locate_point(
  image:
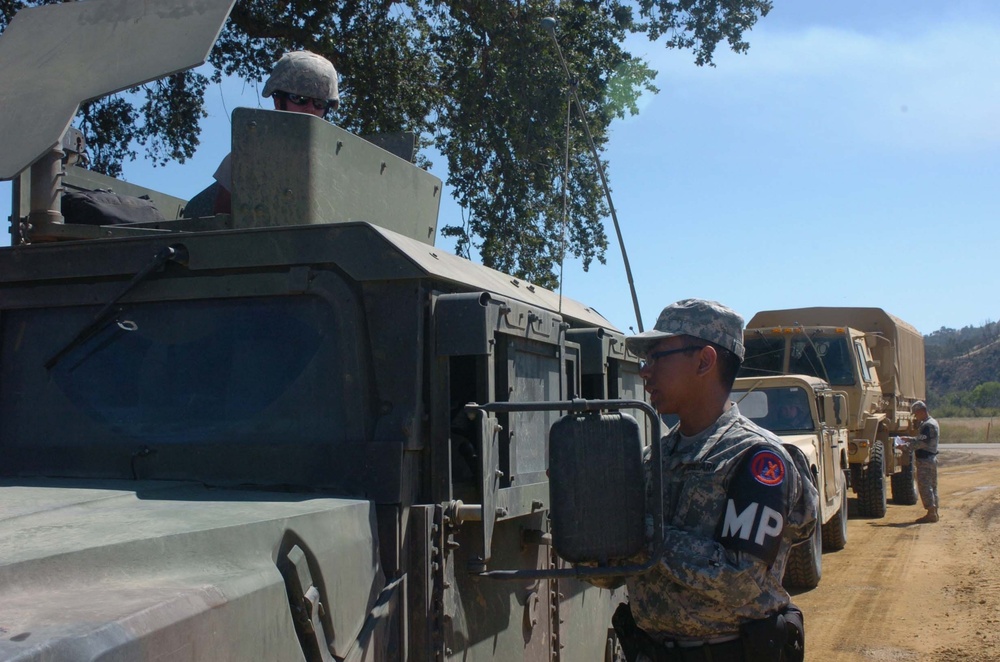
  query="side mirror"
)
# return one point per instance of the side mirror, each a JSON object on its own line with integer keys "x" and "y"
{"x": 836, "y": 408}
{"x": 597, "y": 487}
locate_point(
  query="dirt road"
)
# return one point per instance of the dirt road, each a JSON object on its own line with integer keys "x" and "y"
{"x": 906, "y": 591}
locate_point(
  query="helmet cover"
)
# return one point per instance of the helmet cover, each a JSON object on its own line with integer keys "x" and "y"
{"x": 305, "y": 74}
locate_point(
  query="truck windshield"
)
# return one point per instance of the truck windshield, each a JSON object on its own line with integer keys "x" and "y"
{"x": 187, "y": 375}
{"x": 779, "y": 409}
{"x": 824, "y": 357}
{"x": 764, "y": 356}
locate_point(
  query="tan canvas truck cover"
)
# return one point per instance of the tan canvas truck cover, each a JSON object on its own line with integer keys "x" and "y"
{"x": 901, "y": 360}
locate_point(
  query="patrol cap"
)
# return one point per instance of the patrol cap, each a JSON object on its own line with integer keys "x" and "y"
{"x": 305, "y": 74}
{"x": 919, "y": 404}
{"x": 707, "y": 320}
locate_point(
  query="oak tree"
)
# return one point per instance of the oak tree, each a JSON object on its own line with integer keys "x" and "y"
{"x": 478, "y": 79}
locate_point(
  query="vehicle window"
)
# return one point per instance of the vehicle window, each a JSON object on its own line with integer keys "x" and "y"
{"x": 866, "y": 373}
{"x": 255, "y": 370}
{"x": 781, "y": 410}
{"x": 826, "y": 358}
{"x": 764, "y": 356}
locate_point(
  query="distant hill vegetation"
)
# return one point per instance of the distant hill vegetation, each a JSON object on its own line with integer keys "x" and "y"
{"x": 963, "y": 370}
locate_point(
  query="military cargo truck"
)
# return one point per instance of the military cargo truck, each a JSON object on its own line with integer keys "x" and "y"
{"x": 805, "y": 412}
{"x": 244, "y": 437}
{"x": 877, "y": 359}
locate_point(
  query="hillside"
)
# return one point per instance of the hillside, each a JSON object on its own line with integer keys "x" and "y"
{"x": 959, "y": 360}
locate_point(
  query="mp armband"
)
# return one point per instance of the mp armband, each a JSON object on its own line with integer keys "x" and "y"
{"x": 755, "y": 505}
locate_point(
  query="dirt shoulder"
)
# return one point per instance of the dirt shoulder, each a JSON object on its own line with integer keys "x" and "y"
{"x": 906, "y": 591}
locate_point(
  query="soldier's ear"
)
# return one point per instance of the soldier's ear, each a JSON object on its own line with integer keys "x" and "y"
{"x": 707, "y": 359}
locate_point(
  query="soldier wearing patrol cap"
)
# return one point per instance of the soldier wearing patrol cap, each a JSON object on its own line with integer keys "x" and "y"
{"x": 925, "y": 446}
{"x": 301, "y": 82}
{"x": 734, "y": 503}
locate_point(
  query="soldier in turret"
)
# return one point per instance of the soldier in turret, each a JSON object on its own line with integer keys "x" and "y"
{"x": 301, "y": 82}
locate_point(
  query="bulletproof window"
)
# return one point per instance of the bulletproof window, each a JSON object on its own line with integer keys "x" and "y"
{"x": 195, "y": 382}
{"x": 866, "y": 373}
{"x": 764, "y": 356}
{"x": 825, "y": 357}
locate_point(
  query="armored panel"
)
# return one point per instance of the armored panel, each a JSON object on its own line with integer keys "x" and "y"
{"x": 54, "y": 57}
{"x": 465, "y": 323}
{"x": 296, "y": 169}
{"x": 590, "y": 460}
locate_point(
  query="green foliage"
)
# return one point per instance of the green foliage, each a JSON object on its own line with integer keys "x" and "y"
{"x": 963, "y": 371}
{"x": 982, "y": 400}
{"x": 477, "y": 78}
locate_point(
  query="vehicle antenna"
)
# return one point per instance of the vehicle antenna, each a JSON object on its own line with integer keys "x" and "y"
{"x": 549, "y": 25}
{"x": 565, "y": 198}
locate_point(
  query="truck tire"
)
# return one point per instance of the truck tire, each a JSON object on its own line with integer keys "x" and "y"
{"x": 904, "y": 485}
{"x": 871, "y": 487}
{"x": 805, "y": 563}
{"x": 835, "y": 531}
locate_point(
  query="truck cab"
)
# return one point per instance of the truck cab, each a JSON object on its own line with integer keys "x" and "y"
{"x": 876, "y": 359}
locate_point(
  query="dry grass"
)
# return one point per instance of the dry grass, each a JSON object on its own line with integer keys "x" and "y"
{"x": 969, "y": 430}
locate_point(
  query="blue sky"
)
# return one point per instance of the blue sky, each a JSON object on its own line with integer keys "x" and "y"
{"x": 851, "y": 158}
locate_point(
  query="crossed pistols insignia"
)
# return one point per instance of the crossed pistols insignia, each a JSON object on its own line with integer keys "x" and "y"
{"x": 768, "y": 468}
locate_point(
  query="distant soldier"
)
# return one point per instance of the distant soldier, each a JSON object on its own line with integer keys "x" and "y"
{"x": 734, "y": 503}
{"x": 925, "y": 447}
{"x": 792, "y": 416}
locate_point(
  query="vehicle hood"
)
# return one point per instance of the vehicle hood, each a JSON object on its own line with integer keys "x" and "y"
{"x": 142, "y": 569}
{"x": 807, "y": 442}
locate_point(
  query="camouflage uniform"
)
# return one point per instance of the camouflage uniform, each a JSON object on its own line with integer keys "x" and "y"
{"x": 701, "y": 588}
{"x": 925, "y": 444}
{"x": 734, "y": 502}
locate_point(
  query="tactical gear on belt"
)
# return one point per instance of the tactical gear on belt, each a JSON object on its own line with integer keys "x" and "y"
{"x": 777, "y": 638}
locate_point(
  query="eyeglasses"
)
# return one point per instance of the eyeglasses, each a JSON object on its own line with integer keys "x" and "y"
{"x": 651, "y": 358}
{"x": 318, "y": 104}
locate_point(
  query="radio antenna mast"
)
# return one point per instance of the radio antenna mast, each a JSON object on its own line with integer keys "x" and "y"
{"x": 549, "y": 25}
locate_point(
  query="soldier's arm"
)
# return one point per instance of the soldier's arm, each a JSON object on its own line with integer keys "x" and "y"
{"x": 765, "y": 497}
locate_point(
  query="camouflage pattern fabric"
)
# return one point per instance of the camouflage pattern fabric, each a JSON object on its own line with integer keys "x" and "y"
{"x": 927, "y": 481}
{"x": 927, "y": 440}
{"x": 699, "y": 318}
{"x": 700, "y": 588}
{"x": 305, "y": 74}
{"x": 927, "y": 436}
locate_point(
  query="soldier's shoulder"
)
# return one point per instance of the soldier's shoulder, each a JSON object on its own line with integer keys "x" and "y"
{"x": 752, "y": 434}
{"x": 744, "y": 436}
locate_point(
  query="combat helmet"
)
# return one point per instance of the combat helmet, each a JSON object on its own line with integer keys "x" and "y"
{"x": 305, "y": 74}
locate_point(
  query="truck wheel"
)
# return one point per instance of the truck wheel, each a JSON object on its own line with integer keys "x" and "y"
{"x": 904, "y": 485}
{"x": 805, "y": 563}
{"x": 835, "y": 531}
{"x": 871, "y": 487}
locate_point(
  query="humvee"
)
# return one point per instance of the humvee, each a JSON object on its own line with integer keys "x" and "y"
{"x": 249, "y": 436}
{"x": 819, "y": 431}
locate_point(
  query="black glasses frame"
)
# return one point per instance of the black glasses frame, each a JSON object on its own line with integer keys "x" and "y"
{"x": 651, "y": 358}
{"x": 299, "y": 100}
